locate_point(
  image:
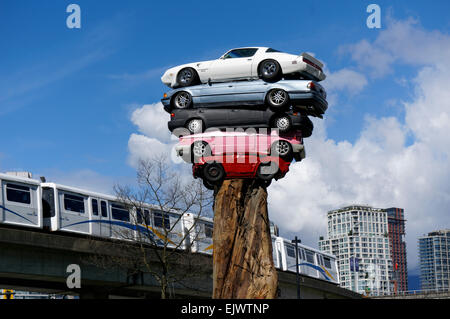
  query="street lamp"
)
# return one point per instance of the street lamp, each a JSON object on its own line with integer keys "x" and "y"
{"x": 297, "y": 241}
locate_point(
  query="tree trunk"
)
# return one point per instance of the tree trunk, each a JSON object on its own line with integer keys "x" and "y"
{"x": 242, "y": 260}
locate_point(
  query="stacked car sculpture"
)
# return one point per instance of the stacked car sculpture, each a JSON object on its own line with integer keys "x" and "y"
{"x": 245, "y": 114}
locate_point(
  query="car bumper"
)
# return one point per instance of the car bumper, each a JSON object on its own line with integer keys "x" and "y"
{"x": 184, "y": 151}
{"x": 173, "y": 124}
{"x": 312, "y": 103}
{"x": 166, "y": 103}
{"x": 298, "y": 156}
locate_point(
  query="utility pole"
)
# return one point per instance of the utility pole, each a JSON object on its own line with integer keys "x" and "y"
{"x": 296, "y": 241}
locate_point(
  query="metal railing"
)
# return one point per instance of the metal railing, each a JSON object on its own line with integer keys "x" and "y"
{"x": 412, "y": 292}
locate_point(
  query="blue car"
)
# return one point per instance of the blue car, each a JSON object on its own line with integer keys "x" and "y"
{"x": 306, "y": 96}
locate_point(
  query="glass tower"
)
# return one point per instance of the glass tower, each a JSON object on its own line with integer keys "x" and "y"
{"x": 434, "y": 257}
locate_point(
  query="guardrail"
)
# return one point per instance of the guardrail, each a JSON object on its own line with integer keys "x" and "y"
{"x": 413, "y": 292}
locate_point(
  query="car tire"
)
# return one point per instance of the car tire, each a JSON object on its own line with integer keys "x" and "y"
{"x": 282, "y": 123}
{"x": 195, "y": 126}
{"x": 182, "y": 100}
{"x": 270, "y": 70}
{"x": 306, "y": 126}
{"x": 213, "y": 173}
{"x": 187, "y": 77}
{"x": 283, "y": 149}
{"x": 277, "y": 99}
{"x": 200, "y": 149}
{"x": 208, "y": 184}
{"x": 265, "y": 176}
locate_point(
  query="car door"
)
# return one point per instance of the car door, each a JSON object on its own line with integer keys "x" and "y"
{"x": 215, "y": 117}
{"x": 217, "y": 95}
{"x": 250, "y": 93}
{"x": 243, "y": 117}
{"x": 234, "y": 64}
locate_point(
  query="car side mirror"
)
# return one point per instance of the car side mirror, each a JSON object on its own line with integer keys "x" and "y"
{"x": 209, "y": 81}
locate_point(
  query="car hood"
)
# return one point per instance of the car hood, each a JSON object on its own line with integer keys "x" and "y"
{"x": 195, "y": 65}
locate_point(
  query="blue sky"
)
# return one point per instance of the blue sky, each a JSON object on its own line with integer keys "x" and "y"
{"x": 67, "y": 96}
{"x": 72, "y": 90}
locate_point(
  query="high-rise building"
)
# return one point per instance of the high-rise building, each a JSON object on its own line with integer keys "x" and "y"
{"x": 359, "y": 238}
{"x": 396, "y": 225}
{"x": 434, "y": 258}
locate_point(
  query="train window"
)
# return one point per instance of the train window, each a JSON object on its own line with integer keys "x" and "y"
{"x": 119, "y": 212}
{"x": 94, "y": 207}
{"x": 327, "y": 262}
{"x": 290, "y": 251}
{"x": 209, "y": 230}
{"x": 303, "y": 254}
{"x": 310, "y": 256}
{"x": 74, "y": 203}
{"x": 143, "y": 218}
{"x": 160, "y": 218}
{"x": 104, "y": 209}
{"x": 319, "y": 260}
{"x": 18, "y": 194}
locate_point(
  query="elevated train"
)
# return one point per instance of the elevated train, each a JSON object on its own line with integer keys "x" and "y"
{"x": 27, "y": 202}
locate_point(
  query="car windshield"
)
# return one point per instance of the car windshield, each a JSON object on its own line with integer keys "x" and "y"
{"x": 240, "y": 53}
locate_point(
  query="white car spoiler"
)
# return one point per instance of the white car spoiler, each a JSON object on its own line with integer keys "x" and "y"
{"x": 312, "y": 59}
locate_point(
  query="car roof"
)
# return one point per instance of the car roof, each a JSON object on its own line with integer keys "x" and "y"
{"x": 248, "y": 48}
{"x": 219, "y": 133}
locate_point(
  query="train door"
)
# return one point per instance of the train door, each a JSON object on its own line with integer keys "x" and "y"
{"x": 290, "y": 257}
{"x": 95, "y": 217}
{"x": 320, "y": 274}
{"x": 302, "y": 261}
{"x": 20, "y": 205}
{"x": 48, "y": 207}
{"x": 275, "y": 253}
{"x": 105, "y": 222}
{"x": 204, "y": 240}
{"x": 121, "y": 227}
{"x": 330, "y": 265}
{"x": 310, "y": 264}
{"x": 74, "y": 215}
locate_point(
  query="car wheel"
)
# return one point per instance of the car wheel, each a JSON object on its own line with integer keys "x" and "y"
{"x": 277, "y": 98}
{"x": 265, "y": 172}
{"x": 201, "y": 149}
{"x": 270, "y": 70}
{"x": 306, "y": 126}
{"x": 182, "y": 100}
{"x": 213, "y": 172}
{"x": 187, "y": 77}
{"x": 282, "y": 123}
{"x": 195, "y": 126}
{"x": 282, "y": 149}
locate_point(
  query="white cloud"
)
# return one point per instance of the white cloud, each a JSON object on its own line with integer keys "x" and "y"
{"x": 151, "y": 120}
{"x": 144, "y": 147}
{"x": 381, "y": 169}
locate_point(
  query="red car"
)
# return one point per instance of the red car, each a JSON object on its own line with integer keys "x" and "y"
{"x": 287, "y": 146}
{"x": 214, "y": 169}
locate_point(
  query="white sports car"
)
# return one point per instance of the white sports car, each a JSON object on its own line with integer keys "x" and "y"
{"x": 246, "y": 63}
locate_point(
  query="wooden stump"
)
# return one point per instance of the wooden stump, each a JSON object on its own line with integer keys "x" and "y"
{"x": 242, "y": 260}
